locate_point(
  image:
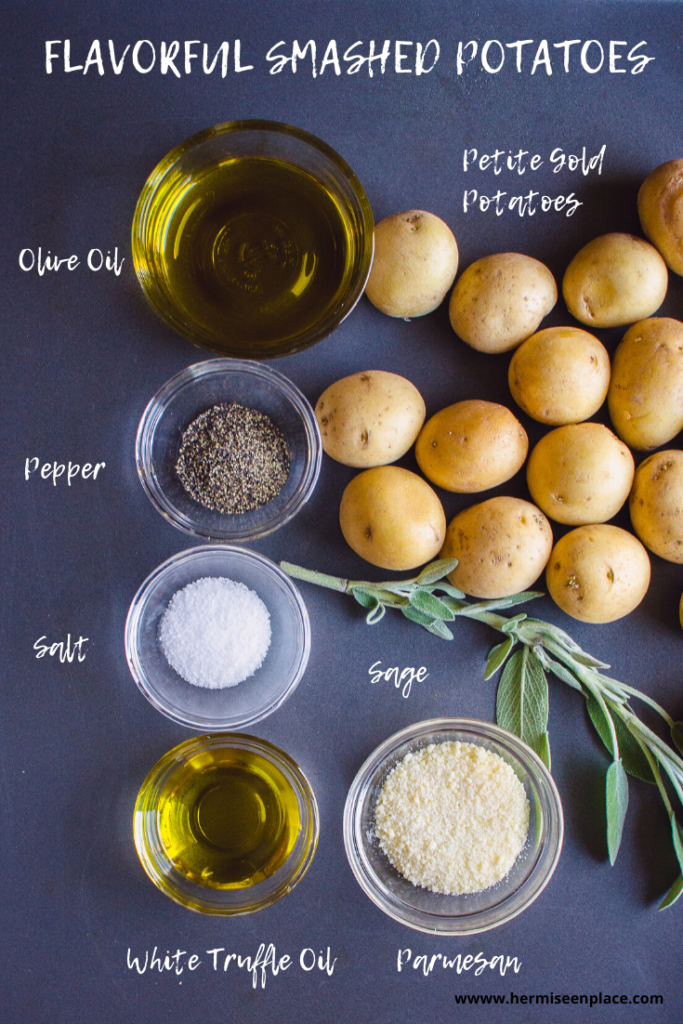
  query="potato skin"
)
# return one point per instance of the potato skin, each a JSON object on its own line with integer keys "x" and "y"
{"x": 392, "y": 518}
{"x": 415, "y": 263}
{"x": 656, "y": 504}
{"x": 370, "y": 418}
{"x": 615, "y": 280}
{"x": 471, "y": 446}
{"x": 645, "y": 396}
{"x": 598, "y": 573}
{"x": 500, "y": 300}
{"x": 660, "y": 208}
{"x": 560, "y": 375}
{"x": 580, "y": 474}
{"x": 502, "y": 546}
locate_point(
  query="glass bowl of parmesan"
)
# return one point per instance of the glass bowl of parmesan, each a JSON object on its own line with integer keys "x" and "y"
{"x": 217, "y": 637}
{"x": 228, "y": 450}
{"x": 453, "y": 826}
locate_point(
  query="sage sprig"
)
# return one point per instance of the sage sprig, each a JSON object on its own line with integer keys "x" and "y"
{"x": 530, "y": 649}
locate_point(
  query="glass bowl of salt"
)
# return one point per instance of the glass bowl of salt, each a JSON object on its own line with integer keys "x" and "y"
{"x": 217, "y": 637}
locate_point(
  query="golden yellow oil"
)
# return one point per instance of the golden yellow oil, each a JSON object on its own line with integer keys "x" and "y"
{"x": 254, "y": 252}
{"x": 228, "y": 818}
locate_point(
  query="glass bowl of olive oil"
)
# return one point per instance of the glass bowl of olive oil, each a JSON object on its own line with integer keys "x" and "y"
{"x": 226, "y": 824}
{"x": 253, "y": 239}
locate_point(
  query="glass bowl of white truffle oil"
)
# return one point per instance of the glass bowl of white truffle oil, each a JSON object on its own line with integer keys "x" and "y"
{"x": 453, "y": 826}
{"x": 226, "y": 824}
{"x": 253, "y": 239}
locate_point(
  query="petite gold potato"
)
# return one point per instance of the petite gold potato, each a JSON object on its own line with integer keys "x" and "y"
{"x": 560, "y": 375}
{"x": 598, "y": 573}
{"x": 415, "y": 263}
{"x": 392, "y": 518}
{"x": 502, "y": 546}
{"x": 580, "y": 473}
{"x": 370, "y": 418}
{"x": 471, "y": 446}
{"x": 615, "y": 280}
{"x": 660, "y": 207}
{"x": 656, "y": 504}
{"x": 646, "y": 391}
{"x": 500, "y": 300}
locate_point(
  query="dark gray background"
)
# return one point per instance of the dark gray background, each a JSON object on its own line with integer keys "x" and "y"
{"x": 82, "y": 356}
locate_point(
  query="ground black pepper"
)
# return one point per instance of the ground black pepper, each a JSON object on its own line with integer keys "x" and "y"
{"x": 233, "y": 459}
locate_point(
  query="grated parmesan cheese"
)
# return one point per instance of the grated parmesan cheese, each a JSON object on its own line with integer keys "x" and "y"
{"x": 452, "y": 817}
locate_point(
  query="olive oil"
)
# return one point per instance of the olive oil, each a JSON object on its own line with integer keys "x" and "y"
{"x": 227, "y": 818}
{"x": 253, "y": 253}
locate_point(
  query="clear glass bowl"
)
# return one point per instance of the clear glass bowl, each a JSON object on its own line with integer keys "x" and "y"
{"x": 173, "y": 766}
{"x": 251, "y": 284}
{"x": 192, "y": 392}
{"x": 433, "y": 912}
{"x": 234, "y": 707}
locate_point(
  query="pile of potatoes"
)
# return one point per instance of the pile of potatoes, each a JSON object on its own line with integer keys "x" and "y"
{"x": 580, "y": 473}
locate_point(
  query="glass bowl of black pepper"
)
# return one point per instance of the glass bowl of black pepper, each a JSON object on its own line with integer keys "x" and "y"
{"x": 228, "y": 450}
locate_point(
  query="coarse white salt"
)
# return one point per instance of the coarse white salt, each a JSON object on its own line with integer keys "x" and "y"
{"x": 215, "y": 632}
{"x": 452, "y": 817}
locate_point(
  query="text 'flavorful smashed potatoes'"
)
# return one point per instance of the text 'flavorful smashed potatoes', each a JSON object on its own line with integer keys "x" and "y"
{"x": 415, "y": 263}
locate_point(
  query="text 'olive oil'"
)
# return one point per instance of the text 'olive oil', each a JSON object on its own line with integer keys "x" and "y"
{"x": 254, "y": 252}
{"x": 228, "y": 819}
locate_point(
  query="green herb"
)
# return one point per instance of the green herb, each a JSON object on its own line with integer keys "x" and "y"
{"x": 522, "y": 702}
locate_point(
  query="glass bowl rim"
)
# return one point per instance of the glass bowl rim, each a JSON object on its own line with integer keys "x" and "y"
{"x": 137, "y": 605}
{"x": 551, "y": 848}
{"x": 139, "y": 228}
{"x": 306, "y": 797}
{"x": 158, "y": 405}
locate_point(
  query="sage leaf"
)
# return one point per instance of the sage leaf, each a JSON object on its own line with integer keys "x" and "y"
{"x": 511, "y": 624}
{"x": 437, "y": 570}
{"x": 430, "y": 605}
{"x": 390, "y": 597}
{"x": 542, "y": 748}
{"x": 617, "y": 802}
{"x": 677, "y": 735}
{"x": 498, "y": 656}
{"x": 673, "y": 893}
{"x": 365, "y": 597}
{"x": 375, "y": 614}
{"x": 633, "y": 759}
{"x": 439, "y": 628}
{"x": 677, "y": 836}
{"x": 560, "y": 671}
{"x": 564, "y": 639}
{"x": 416, "y": 616}
{"x": 522, "y": 700}
{"x": 511, "y": 601}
